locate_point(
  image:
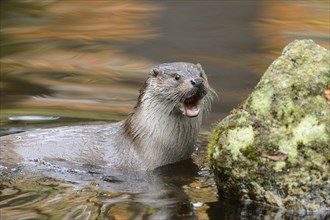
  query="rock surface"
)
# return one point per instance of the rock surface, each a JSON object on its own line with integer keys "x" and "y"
{"x": 275, "y": 148}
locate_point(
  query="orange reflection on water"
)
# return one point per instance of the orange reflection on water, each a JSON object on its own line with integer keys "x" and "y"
{"x": 86, "y": 20}
{"x": 281, "y": 23}
{"x": 68, "y": 50}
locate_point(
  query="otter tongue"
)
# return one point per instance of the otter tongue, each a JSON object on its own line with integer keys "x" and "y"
{"x": 191, "y": 110}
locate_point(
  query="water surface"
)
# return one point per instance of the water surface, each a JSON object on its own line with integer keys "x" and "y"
{"x": 83, "y": 62}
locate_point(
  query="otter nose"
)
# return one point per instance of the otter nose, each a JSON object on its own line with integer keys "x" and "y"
{"x": 197, "y": 82}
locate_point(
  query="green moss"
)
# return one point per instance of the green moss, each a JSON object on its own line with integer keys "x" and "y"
{"x": 250, "y": 152}
{"x": 262, "y": 100}
{"x": 239, "y": 138}
{"x": 321, "y": 102}
{"x": 289, "y": 147}
{"x": 213, "y": 151}
{"x": 243, "y": 119}
{"x": 285, "y": 109}
{"x": 316, "y": 160}
{"x": 273, "y": 199}
{"x": 309, "y": 130}
{"x": 279, "y": 165}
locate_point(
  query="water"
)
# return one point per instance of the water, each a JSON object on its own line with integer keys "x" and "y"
{"x": 70, "y": 62}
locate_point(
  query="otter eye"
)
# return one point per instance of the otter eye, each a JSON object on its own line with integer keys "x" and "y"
{"x": 177, "y": 77}
{"x": 201, "y": 74}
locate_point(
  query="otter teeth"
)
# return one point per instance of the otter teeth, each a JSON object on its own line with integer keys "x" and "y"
{"x": 191, "y": 107}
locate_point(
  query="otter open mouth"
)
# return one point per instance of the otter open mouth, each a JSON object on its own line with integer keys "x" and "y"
{"x": 191, "y": 106}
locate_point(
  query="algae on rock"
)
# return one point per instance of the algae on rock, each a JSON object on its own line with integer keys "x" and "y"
{"x": 275, "y": 148}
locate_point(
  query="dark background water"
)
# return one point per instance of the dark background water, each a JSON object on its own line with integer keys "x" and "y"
{"x": 78, "y": 62}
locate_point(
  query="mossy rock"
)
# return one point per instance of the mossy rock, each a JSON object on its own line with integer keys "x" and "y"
{"x": 275, "y": 148}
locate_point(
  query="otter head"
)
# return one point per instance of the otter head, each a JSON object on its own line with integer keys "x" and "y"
{"x": 182, "y": 86}
{"x": 168, "y": 112}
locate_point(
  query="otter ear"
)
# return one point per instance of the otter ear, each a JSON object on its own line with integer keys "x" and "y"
{"x": 199, "y": 66}
{"x": 154, "y": 72}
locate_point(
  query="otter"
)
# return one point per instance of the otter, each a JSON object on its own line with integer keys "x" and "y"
{"x": 161, "y": 129}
